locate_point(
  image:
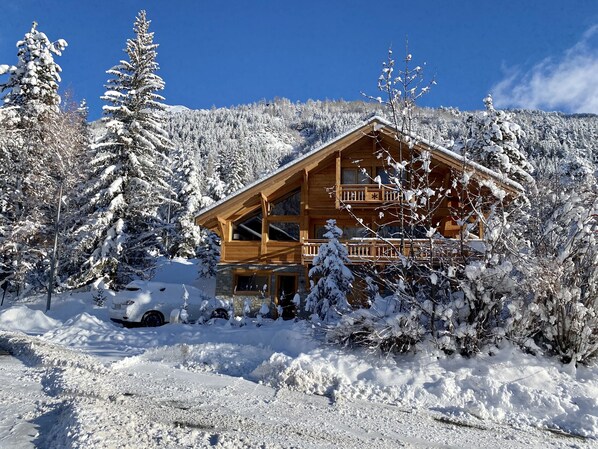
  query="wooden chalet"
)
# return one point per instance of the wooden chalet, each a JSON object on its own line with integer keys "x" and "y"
{"x": 272, "y": 229}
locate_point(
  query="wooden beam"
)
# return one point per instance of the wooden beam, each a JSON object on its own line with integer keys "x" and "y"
{"x": 222, "y": 228}
{"x": 304, "y": 223}
{"x": 265, "y": 218}
{"x": 337, "y": 188}
{"x": 374, "y": 160}
{"x": 284, "y": 218}
{"x": 224, "y": 237}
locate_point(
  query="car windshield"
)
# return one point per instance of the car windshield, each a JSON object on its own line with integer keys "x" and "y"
{"x": 132, "y": 289}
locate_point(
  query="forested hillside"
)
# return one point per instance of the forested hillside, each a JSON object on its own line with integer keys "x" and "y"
{"x": 233, "y": 146}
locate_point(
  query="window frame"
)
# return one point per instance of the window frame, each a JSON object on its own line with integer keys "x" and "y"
{"x": 244, "y": 273}
{"x": 360, "y": 177}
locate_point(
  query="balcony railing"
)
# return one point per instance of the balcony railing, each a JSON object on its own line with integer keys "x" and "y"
{"x": 388, "y": 251}
{"x": 367, "y": 194}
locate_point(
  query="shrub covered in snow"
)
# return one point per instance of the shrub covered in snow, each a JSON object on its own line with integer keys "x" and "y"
{"x": 561, "y": 272}
{"x": 389, "y": 325}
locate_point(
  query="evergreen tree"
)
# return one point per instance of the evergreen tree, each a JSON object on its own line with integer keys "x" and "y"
{"x": 237, "y": 168}
{"x": 33, "y": 159}
{"x": 494, "y": 141}
{"x": 130, "y": 168}
{"x": 32, "y": 86}
{"x": 185, "y": 235}
{"x": 209, "y": 253}
{"x": 328, "y": 296}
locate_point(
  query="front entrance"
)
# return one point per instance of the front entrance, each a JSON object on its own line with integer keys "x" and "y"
{"x": 286, "y": 287}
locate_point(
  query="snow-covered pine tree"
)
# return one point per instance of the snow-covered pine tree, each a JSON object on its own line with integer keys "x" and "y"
{"x": 494, "y": 141}
{"x": 131, "y": 168}
{"x": 327, "y": 298}
{"x": 33, "y": 158}
{"x": 216, "y": 190}
{"x": 9, "y": 212}
{"x": 185, "y": 236}
{"x": 32, "y": 87}
{"x": 209, "y": 253}
{"x": 235, "y": 171}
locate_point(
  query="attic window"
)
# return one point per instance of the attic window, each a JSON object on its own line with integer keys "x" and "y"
{"x": 284, "y": 231}
{"x": 287, "y": 205}
{"x": 248, "y": 228}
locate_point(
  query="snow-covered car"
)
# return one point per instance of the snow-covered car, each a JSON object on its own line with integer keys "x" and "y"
{"x": 154, "y": 303}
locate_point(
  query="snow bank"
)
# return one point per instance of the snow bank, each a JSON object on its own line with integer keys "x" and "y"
{"x": 223, "y": 358}
{"x": 88, "y": 332}
{"x": 219, "y": 348}
{"x": 506, "y": 387}
{"x": 24, "y": 319}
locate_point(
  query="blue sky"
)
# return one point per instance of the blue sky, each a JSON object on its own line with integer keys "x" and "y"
{"x": 529, "y": 53}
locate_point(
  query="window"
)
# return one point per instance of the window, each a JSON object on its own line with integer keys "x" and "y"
{"x": 349, "y": 232}
{"x": 394, "y": 231}
{"x": 355, "y": 176}
{"x": 251, "y": 283}
{"x": 248, "y": 228}
{"x": 354, "y": 232}
{"x": 319, "y": 231}
{"x": 389, "y": 175}
{"x": 283, "y": 231}
{"x": 289, "y": 205}
{"x": 383, "y": 175}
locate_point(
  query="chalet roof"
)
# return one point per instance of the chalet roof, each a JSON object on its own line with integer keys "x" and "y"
{"x": 376, "y": 123}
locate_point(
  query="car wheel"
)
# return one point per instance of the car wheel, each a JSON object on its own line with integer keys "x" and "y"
{"x": 220, "y": 313}
{"x": 152, "y": 319}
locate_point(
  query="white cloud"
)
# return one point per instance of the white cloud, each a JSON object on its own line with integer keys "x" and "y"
{"x": 569, "y": 84}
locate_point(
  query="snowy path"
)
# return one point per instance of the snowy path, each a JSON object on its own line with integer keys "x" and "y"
{"x": 22, "y": 403}
{"x": 87, "y": 402}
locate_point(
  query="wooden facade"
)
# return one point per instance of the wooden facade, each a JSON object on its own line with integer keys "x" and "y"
{"x": 279, "y": 221}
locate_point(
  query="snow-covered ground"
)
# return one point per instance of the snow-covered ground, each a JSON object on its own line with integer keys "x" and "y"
{"x": 79, "y": 381}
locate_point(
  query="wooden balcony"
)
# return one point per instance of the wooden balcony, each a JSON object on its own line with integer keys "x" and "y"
{"x": 367, "y": 194}
{"x": 389, "y": 251}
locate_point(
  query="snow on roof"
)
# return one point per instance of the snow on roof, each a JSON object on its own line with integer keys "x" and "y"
{"x": 376, "y": 118}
